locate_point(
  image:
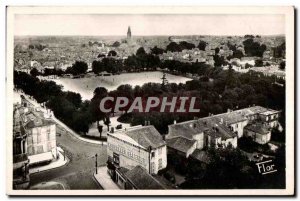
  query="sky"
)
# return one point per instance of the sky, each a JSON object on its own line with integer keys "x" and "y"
{"x": 147, "y": 25}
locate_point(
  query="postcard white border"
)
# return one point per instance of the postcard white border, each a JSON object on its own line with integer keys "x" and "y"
{"x": 288, "y": 11}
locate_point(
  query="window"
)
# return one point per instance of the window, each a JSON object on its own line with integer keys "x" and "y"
{"x": 152, "y": 168}
{"x": 116, "y": 158}
{"x": 159, "y": 163}
{"x": 152, "y": 154}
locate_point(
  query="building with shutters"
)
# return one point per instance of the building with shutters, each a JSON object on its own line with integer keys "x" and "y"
{"x": 136, "y": 146}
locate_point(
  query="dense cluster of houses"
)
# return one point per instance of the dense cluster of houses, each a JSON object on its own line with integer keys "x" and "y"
{"x": 34, "y": 141}
{"x": 142, "y": 149}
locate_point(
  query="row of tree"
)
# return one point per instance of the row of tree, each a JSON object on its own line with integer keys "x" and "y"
{"x": 67, "y": 106}
{"x": 217, "y": 90}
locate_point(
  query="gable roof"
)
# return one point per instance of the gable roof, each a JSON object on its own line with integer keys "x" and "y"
{"x": 141, "y": 179}
{"x": 187, "y": 129}
{"x": 209, "y": 124}
{"x": 201, "y": 156}
{"x": 180, "y": 143}
{"x": 146, "y": 136}
{"x": 258, "y": 128}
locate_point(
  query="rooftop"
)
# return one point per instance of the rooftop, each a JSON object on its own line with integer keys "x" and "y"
{"x": 146, "y": 136}
{"x": 258, "y": 128}
{"x": 180, "y": 143}
{"x": 201, "y": 155}
{"x": 216, "y": 125}
{"x": 141, "y": 179}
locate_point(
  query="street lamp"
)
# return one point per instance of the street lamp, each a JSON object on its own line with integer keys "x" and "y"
{"x": 96, "y": 163}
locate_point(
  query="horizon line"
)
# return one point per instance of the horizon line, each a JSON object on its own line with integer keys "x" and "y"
{"x": 156, "y": 35}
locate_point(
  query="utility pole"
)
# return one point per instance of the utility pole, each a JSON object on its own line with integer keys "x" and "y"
{"x": 96, "y": 164}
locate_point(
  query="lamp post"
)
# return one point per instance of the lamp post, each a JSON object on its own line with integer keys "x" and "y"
{"x": 96, "y": 163}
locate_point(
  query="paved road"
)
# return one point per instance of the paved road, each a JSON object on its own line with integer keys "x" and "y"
{"x": 78, "y": 173}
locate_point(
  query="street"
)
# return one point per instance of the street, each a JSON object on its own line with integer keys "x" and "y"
{"x": 78, "y": 173}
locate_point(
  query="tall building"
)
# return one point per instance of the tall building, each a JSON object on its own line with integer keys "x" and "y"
{"x": 129, "y": 33}
{"x": 20, "y": 158}
{"x": 136, "y": 146}
{"x": 40, "y": 132}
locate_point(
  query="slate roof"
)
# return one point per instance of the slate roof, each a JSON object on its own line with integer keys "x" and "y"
{"x": 38, "y": 122}
{"x": 146, "y": 136}
{"x": 258, "y": 128}
{"x": 187, "y": 129}
{"x": 201, "y": 156}
{"x": 180, "y": 143}
{"x": 141, "y": 179}
{"x": 123, "y": 170}
{"x": 220, "y": 121}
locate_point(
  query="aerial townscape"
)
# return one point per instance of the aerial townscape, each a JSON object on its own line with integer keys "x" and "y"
{"x": 62, "y": 139}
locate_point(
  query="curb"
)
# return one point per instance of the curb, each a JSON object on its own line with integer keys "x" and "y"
{"x": 68, "y": 160}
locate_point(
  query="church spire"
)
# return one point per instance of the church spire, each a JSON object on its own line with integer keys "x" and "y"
{"x": 129, "y": 33}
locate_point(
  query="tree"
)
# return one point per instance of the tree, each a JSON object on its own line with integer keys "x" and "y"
{"x": 279, "y": 51}
{"x": 100, "y": 129}
{"x": 282, "y": 65}
{"x": 164, "y": 81}
{"x": 229, "y": 167}
{"x": 254, "y": 48}
{"x": 141, "y": 51}
{"x": 97, "y": 67}
{"x": 116, "y": 44}
{"x": 74, "y": 98}
{"x": 79, "y": 67}
{"x": 96, "y": 113}
{"x": 259, "y": 63}
{"x": 112, "y": 53}
{"x": 107, "y": 122}
{"x": 202, "y": 45}
{"x": 34, "y": 72}
{"x": 185, "y": 45}
{"x": 80, "y": 122}
{"x": 157, "y": 50}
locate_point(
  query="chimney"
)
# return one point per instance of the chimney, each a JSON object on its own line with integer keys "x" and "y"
{"x": 221, "y": 121}
{"x": 175, "y": 122}
{"x": 112, "y": 129}
{"x": 149, "y": 123}
{"x": 146, "y": 122}
{"x": 228, "y": 110}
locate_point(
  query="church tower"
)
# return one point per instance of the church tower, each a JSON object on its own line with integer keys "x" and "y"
{"x": 129, "y": 33}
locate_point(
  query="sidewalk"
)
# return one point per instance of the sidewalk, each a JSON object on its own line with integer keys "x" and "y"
{"x": 55, "y": 164}
{"x": 73, "y": 133}
{"x": 104, "y": 179}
